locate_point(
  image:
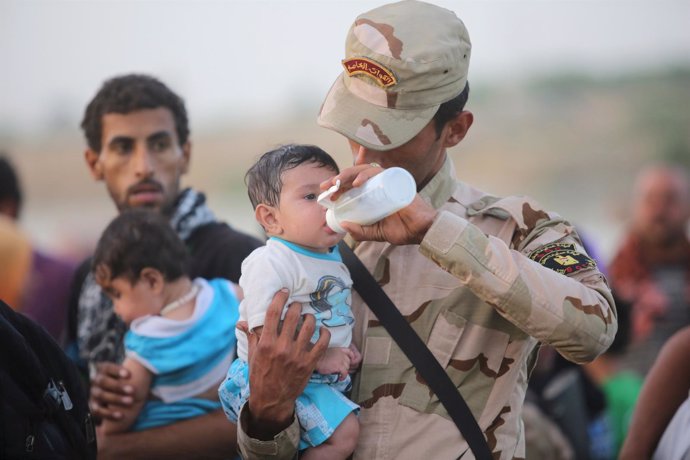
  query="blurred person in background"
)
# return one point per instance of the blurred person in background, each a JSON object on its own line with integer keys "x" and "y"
{"x": 544, "y": 438}
{"x": 661, "y": 421}
{"x": 15, "y": 262}
{"x": 567, "y": 395}
{"x": 621, "y": 387}
{"x": 45, "y": 294}
{"x": 138, "y": 145}
{"x": 651, "y": 269}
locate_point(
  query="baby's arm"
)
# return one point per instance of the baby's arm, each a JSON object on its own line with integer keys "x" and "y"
{"x": 140, "y": 380}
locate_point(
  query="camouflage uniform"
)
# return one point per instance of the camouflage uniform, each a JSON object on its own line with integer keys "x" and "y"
{"x": 482, "y": 289}
{"x": 481, "y": 293}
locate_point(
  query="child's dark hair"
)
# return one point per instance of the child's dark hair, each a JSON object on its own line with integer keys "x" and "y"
{"x": 136, "y": 239}
{"x": 263, "y": 180}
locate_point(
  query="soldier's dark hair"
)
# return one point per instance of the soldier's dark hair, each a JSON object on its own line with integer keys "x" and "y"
{"x": 263, "y": 179}
{"x": 448, "y": 110}
{"x": 10, "y": 188}
{"x": 129, "y": 93}
{"x": 137, "y": 239}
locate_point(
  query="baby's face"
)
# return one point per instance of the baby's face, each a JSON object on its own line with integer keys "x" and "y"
{"x": 301, "y": 219}
{"x": 130, "y": 301}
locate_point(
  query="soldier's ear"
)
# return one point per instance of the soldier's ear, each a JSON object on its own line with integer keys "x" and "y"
{"x": 456, "y": 128}
{"x": 93, "y": 162}
{"x": 269, "y": 218}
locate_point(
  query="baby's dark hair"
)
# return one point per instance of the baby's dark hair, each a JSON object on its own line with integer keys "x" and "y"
{"x": 263, "y": 179}
{"x": 134, "y": 240}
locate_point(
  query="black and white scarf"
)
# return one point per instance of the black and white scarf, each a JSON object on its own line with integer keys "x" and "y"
{"x": 100, "y": 331}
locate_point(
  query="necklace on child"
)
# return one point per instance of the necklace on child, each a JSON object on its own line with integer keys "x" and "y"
{"x": 175, "y": 304}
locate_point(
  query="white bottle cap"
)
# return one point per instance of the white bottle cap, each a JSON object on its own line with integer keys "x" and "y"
{"x": 325, "y": 200}
{"x": 332, "y": 222}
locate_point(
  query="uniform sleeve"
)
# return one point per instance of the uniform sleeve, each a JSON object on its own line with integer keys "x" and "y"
{"x": 573, "y": 312}
{"x": 283, "y": 446}
{"x": 263, "y": 274}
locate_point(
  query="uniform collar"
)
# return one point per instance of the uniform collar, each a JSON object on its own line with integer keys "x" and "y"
{"x": 441, "y": 186}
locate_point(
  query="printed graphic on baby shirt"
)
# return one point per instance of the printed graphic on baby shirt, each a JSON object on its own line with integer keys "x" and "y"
{"x": 330, "y": 302}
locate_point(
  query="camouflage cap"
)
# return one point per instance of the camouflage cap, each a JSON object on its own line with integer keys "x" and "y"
{"x": 402, "y": 61}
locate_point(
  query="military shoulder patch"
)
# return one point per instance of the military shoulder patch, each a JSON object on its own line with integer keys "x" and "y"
{"x": 562, "y": 258}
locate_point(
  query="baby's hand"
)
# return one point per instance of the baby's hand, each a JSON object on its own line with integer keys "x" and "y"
{"x": 335, "y": 361}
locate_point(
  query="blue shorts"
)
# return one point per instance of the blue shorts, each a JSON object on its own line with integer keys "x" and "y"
{"x": 320, "y": 408}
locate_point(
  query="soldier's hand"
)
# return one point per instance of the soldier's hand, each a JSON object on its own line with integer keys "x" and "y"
{"x": 407, "y": 226}
{"x": 281, "y": 361}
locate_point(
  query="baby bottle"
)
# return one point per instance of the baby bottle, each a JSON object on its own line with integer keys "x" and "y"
{"x": 379, "y": 197}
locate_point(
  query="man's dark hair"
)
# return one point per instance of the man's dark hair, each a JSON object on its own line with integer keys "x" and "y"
{"x": 263, "y": 179}
{"x": 129, "y": 93}
{"x": 10, "y": 188}
{"x": 448, "y": 110}
{"x": 137, "y": 239}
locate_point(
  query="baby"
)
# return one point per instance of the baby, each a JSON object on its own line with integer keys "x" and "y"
{"x": 181, "y": 337}
{"x": 300, "y": 255}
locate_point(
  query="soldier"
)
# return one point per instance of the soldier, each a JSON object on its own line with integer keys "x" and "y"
{"x": 659, "y": 427}
{"x": 482, "y": 279}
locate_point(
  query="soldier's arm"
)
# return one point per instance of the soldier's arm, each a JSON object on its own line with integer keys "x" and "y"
{"x": 275, "y": 444}
{"x": 574, "y": 313}
{"x": 280, "y": 364}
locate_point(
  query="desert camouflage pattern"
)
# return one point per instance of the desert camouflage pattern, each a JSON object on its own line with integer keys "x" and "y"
{"x": 416, "y": 56}
{"x": 482, "y": 306}
{"x": 392, "y": 62}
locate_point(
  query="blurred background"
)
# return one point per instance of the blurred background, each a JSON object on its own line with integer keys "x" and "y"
{"x": 570, "y": 98}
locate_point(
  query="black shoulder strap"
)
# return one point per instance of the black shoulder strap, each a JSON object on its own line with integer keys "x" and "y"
{"x": 417, "y": 352}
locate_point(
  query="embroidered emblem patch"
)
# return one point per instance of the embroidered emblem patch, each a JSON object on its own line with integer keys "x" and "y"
{"x": 562, "y": 258}
{"x": 363, "y": 66}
